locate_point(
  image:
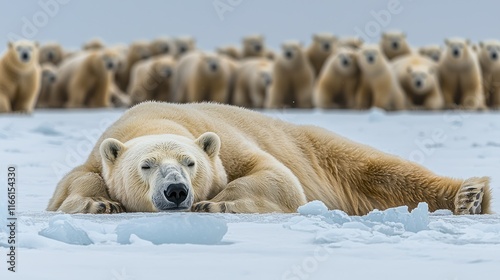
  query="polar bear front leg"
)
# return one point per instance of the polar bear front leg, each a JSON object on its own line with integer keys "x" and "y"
{"x": 4, "y": 103}
{"x": 81, "y": 191}
{"x": 270, "y": 187}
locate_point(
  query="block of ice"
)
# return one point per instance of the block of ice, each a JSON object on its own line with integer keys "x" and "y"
{"x": 180, "y": 228}
{"x": 415, "y": 221}
{"x": 62, "y": 228}
{"x": 315, "y": 207}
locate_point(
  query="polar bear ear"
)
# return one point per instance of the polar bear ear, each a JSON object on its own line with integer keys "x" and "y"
{"x": 210, "y": 143}
{"x": 481, "y": 44}
{"x": 10, "y": 44}
{"x": 447, "y": 41}
{"x": 110, "y": 149}
{"x": 468, "y": 42}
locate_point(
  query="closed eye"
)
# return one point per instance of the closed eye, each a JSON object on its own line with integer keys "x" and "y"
{"x": 190, "y": 164}
{"x": 145, "y": 166}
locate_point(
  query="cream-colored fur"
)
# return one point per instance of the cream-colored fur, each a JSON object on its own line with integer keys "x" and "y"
{"x": 49, "y": 77}
{"x": 253, "y": 78}
{"x": 137, "y": 51}
{"x": 489, "y": 59}
{"x": 338, "y": 81}
{"x": 51, "y": 53}
{"x": 419, "y": 79}
{"x": 152, "y": 79}
{"x": 19, "y": 77}
{"x": 351, "y": 42}
{"x": 321, "y": 47}
{"x": 433, "y": 52}
{"x": 460, "y": 76}
{"x": 85, "y": 80}
{"x": 266, "y": 165}
{"x": 394, "y": 44}
{"x": 184, "y": 45}
{"x": 201, "y": 76}
{"x": 93, "y": 45}
{"x": 231, "y": 51}
{"x": 163, "y": 46}
{"x": 253, "y": 46}
{"x": 379, "y": 86}
{"x": 293, "y": 79}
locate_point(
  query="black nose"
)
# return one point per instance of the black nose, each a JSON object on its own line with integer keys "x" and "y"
{"x": 25, "y": 56}
{"x": 213, "y": 67}
{"x": 182, "y": 49}
{"x": 456, "y": 52}
{"x": 288, "y": 54}
{"x": 258, "y": 48}
{"x": 110, "y": 65}
{"x": 395, "y": 45}
{"x": 418, "y": 84}
{"x": 345, "y": 62}
{"x": 167, "y": 73}
{"x": 52, "y": 79}
{"x": 435, "y": 57}
{"x": 50, "y": 56}
{"x": 326, "y": 46}
{"x": 176, "y": 193}
{"x": 494, "y": 56}
{"x": 166, "y": 49}
{"x": 371, "y": 59}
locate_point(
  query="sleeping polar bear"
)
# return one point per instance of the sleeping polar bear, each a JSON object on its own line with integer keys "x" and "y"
{"x": 220, "y": 158}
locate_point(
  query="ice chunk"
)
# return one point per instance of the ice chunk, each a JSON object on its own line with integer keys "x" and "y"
{"x": 315, "y": 207}
{"x": 62, "y": 228}
{"x": 415, "y": 221}
{"x": 178, "y": 228}
{"x": 376, "y": 114}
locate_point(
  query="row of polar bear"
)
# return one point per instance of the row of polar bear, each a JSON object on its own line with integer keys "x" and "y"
{"x": 330, "y": 72}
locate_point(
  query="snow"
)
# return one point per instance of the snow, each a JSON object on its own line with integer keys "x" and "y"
{"x": 314, "y": 243}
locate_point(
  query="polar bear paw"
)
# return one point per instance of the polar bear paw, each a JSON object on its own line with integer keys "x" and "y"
{"x": 469, "y": 198}
{"x": 211, "y": 207}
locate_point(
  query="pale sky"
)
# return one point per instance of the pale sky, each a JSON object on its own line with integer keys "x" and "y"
{"x": 424, "y": 21}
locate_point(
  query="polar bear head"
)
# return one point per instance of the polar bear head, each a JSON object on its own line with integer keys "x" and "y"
{"x": 324, "y": 42}
{"x": 345, "y": 62}
{"x": 23, "y": 53}
{"x": 489, "y": 53}
{"x": 162, "y": 172}
{"x": 422, "y": 78}
{"x": 253, "y": 45}
{"x": 458, "y": 51}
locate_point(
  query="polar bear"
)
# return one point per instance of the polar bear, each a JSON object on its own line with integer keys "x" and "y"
{"x": 152, "y": 79}
{"x": 419, "y": 79}
{"x": 489, "y": 59}
{"x": 51, "y": 52}
{"x": 136, "y": 52}
{"x": 49, "y": 76}
{"x": 19, "y": 77}
{"x": 321, "y": 47}
{"x": 253, "y": 46}
{"x": 93, "y": 44}
{"x": 350, "y": 42}
{"x": 253, "y": 78}
{"x": 220, "y": 158}
{"x": 162, "y": 46}
{"x": 293, "y": 79}
{"x": 184, "y": 45}
{"x": 431, "y": 51}
{"x": 394, "y": 44}
{"x": 85, "y": 80}
{"x": 230, "y": 51}
{"x": 203, "y": 76}
{"x": 460, "y": 76}
{"x": 338, "y": 81}
{"x": 379, "y": 86}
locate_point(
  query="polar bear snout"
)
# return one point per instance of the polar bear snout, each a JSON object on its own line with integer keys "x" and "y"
{"x": 173, "y": 190}
{"x": 176, "y": 193}
{"x": 25, "y": 56}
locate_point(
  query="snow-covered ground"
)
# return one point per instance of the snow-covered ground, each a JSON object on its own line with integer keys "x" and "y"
{"x": 312, "y": 244}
